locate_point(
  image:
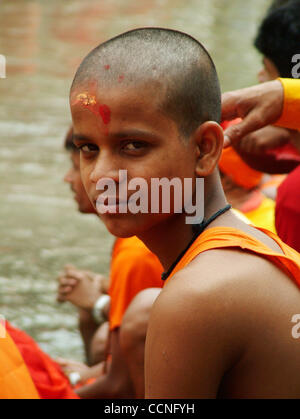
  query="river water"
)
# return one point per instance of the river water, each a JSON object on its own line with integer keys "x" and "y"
{"x": 40, "y": 228}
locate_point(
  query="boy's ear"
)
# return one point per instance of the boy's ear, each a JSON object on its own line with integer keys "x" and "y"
{"x": 209, "y": 140}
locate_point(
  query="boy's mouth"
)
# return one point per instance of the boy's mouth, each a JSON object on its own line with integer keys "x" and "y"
{"x": 109, "y": 201}
{"x": 111, "y": 205}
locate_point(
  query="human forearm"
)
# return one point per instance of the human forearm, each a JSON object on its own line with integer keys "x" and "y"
{"x": 116, "y": 383}
{"x": 105, "y": 387}
{"x": 87, "y": 327}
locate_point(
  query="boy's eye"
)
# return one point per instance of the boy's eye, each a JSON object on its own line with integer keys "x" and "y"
{"x": 88, "y": 148}
{"x": 134, "y": 145}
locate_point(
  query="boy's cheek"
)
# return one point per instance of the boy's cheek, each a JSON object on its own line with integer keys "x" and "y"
{"x": 85, "y": 178}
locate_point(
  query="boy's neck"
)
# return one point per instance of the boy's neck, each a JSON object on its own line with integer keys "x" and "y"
{"x": 168, "y": 239}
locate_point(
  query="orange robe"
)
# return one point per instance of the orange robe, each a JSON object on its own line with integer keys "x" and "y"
{"x": 133, "y": 269}
{"x": 46, "y": 374}
{"x": 227, "y": 237}
{"x": 15, "y": 380}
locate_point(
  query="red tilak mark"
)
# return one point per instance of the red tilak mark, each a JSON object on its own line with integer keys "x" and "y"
{"x": 104, "y": 112}
{"x": 121, "y": 78}
{"x": 107, "y": 67}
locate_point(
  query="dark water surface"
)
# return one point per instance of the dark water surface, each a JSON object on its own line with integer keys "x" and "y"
{"x": 40, "y": 229}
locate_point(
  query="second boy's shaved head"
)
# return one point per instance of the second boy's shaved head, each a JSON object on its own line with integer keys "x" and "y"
{"x": 172, "y": 64}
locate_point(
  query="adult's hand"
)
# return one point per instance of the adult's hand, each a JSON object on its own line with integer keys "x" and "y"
{"x": 258, "y": 106}
{"x": 270, "y": 137}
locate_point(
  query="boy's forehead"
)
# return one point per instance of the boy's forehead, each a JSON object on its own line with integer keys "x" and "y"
{"x": 121, "y": 110}
{"x": 84, "y": 92}
{"x": 121, "y": 98}
{"x": 94, "y": 90}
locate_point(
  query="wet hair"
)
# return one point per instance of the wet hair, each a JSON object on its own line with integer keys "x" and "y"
{"x": 278, "y": 37}
{"x": 176, "y": 65}
{"x": 69, "y": 145}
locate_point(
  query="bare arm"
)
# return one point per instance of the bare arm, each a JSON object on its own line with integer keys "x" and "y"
{"x": 116, "y": 383}
{"x": 188, "y": 346}
{"x": 87, "y": 327}
{"x": 82, "y": 289}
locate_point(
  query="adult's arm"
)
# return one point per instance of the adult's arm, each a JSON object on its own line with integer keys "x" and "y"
{"x": 275, "y": 102}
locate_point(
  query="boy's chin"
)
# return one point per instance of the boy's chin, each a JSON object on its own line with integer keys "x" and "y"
{"x": 120, "y": 228}
{"x": 126, "y": 226}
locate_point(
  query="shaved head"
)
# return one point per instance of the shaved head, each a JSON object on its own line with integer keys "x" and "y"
{"x": 175, "y": 66}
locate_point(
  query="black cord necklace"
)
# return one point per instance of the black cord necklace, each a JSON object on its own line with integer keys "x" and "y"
{"x": 197, "y": 229}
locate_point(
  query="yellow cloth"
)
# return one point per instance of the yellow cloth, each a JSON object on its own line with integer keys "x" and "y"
{"x": 290, "y": 117}
{"x": 15, "y": 380}
{"x": 264, "y": 215}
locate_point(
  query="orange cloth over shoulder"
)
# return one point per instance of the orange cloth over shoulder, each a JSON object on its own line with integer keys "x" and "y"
{"x": 46, "y": 374}
{"x": 15, "y": 380}
{"x": 133, "y": 269}
{"x": 227, "y": 237}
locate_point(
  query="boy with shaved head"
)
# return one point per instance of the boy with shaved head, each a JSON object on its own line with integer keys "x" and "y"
{"x": 134, "y": 282}
{"x": 148, "y": 102}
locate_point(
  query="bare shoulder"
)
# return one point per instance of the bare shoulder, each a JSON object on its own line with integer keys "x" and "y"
{"x": 229, "y": 288}
{"x": 233, "y": 286}
{"x": 227, "y": 310}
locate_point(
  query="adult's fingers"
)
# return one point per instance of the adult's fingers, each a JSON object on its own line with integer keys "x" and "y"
{"x": 234, "y": 133}
{"x": 230, "y": 108}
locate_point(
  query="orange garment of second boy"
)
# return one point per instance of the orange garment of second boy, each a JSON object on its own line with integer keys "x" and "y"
{"x": 133, "y": 269}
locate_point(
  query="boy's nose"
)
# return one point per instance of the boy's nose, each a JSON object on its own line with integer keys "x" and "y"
{"x": 68, "y": 177}
{"x": 105, "y": 168}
